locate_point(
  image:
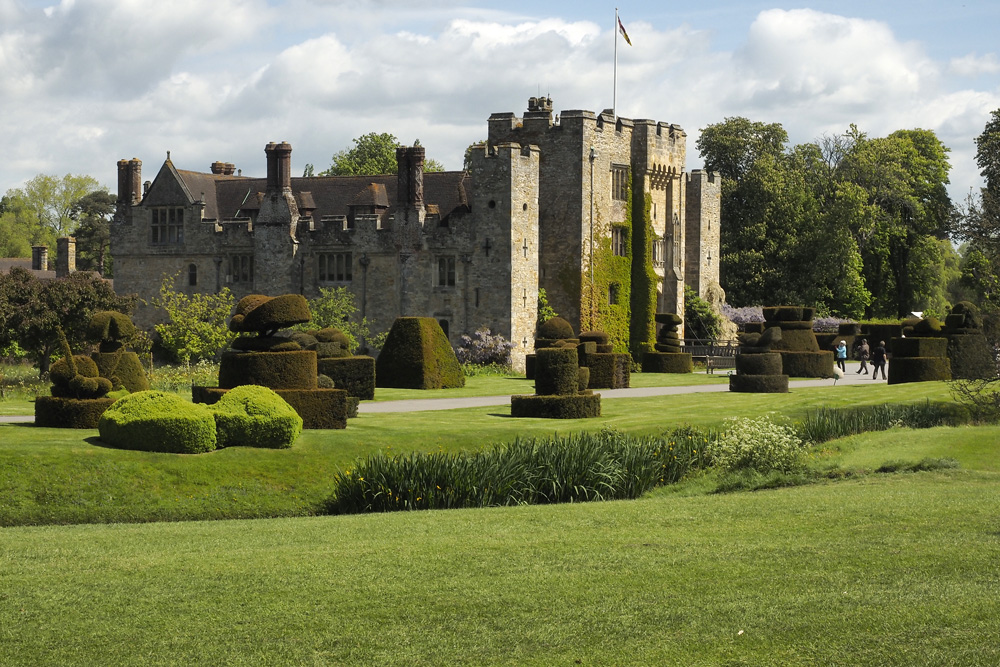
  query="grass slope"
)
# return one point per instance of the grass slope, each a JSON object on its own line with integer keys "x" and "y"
{"x": 891, "y": 569}
{"x": 66, "y": 476}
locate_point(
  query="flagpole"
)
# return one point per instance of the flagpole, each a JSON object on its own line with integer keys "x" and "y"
{"x": 614, "y": 95}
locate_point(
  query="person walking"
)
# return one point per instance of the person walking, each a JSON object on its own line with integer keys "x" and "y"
{"x": 864, "y": 352}
{"x": 841, "y": 354}
{"x": 878, "y": 360}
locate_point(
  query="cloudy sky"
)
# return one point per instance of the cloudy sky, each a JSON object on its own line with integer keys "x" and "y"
{"x": 86, "y": 82}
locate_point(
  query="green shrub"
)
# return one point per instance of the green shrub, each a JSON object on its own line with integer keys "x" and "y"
{"x": 110, "y": 329}
{"x": 556, "y": 371}
{"x": 56, "y": 412}
{"x": 155, "y": 421}
{"x": 255, "y": 416}
{"x": 356, "y": 375}
{"x": 609, "y": 371}
{"x": 579, "y": 406}
{"x": 661, "y": 362}
{"x": 555, "y": 328}
{"x": 123, "y": 369}
{"x": 417, "y": 355}
{"x": 919, "y": 369}
{"x": 919, "y": 347}
{"x": 759, "y": 384}
{"x": 271, "y": 314}
{"x": 807, "y": 364}
{"x": 278, "y": 370}
{"x": 768, "y": 363}
{"x": 319, "y": 408}
{"x": 757, "y": 444}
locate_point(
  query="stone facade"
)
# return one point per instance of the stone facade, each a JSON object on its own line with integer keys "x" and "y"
{"x": 467, "y": 248}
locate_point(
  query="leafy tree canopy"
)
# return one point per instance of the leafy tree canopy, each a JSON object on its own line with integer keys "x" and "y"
{"x": 92, "y": 214}
{"x": 33, "y": 310}
{"x": 373, "y": 154}
{"x": 198, "y": 326}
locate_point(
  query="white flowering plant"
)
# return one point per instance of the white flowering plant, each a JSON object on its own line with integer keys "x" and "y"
{"x": 757, "y": 444}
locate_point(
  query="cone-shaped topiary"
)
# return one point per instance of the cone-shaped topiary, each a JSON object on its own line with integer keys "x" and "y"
{"x": 417, "y": 355}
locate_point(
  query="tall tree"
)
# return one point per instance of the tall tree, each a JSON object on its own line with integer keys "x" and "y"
{"x": 46, "y": 202}
{"x": 734, "y": 145}
{"x": 92, "y": 214}
{"x": 373, "y": 154}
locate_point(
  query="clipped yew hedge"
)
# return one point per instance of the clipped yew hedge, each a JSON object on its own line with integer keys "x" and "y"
{"x": 578, "y": 406}
{"x": 356, "y": 375}
{"x": 556, "y": 371}
{"x": 759, "y": 384}
{"x": 417, "y": 355}
{"x": 919, "y": 347}
{"x": 918, "y": 369}
{"x": 123, "y": 369}
{"x": 806, "y": 364}
{"x": 662, "y": 362}
{"x": 294, "y": 369}
{"x": 768, "y": 363}
{"x": 56, "y": 412}
{"x": 609, "y": 371}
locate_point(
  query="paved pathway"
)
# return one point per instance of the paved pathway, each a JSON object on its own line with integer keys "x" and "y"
{"x": 422, "y": 404}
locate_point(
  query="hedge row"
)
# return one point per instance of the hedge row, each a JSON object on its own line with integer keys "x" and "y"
{"x": 56, "y": 412}
{"x": 578, "y": 406}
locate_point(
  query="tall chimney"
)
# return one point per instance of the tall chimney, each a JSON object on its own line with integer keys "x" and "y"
{"x": 39, "y": 258}
{"x": 65, "y": 256}
{"x": 410, "y": 176}
{"x": 279, "y": 167}
{"x": 129, "y": 182}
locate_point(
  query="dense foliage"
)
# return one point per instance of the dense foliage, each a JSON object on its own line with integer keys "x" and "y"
{"x": 198, "y": 326}
{"x": 32, "y": 311}
{"x": 852, "y": 224}
{"x": 373, "y": 154}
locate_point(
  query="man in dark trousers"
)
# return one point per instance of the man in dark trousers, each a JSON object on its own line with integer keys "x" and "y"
{"x": 878, "y": 360}
{"x": 864, "y": 353}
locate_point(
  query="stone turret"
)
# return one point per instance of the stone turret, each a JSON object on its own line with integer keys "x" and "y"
{"x": 129, "y": 182}
{"x": 275, "y": 242}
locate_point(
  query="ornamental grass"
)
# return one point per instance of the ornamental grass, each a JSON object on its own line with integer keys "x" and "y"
{"x": 608, "y": 465}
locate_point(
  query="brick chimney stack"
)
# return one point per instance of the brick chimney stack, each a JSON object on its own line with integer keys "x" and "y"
{"x": 279, "y": 167}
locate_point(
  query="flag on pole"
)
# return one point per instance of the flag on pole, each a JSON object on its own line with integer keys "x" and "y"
{"x": 621, "y": 28}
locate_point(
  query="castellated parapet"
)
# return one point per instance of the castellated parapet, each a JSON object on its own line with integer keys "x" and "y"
{"x": 545, "y": 203}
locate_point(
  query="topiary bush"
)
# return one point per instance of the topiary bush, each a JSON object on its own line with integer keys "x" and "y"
{"x": 266, "y": 315}
{"x": 156, "y": 421}
{"x": 56, "y": 412}
{"x": 555, "y": 328}
{"x": 295, "y": 369}
{"x": 556, "y": 371}
{"x": 356, "y": 375}
{"x": 609, "y": 371}
{"x": 579, "y": 406}
{"x": 417, "y": 355}
{"x": 660, "y": 362}
{"x": 759, "y": 384}
{"x": 255, "y": 416}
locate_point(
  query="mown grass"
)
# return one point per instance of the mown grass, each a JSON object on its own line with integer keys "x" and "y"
{"x": 889, "y": 569}
{"x": 66, "y": 476}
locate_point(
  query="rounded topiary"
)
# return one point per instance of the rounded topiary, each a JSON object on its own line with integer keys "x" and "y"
{"x": 929, "y": 326}
{"x": 255, "y": 416}
{"x": 77, "y": 376}
{"x": 265, "y": 315}
{"x": 971, "y": 317}
{"x": 156, "y": 421}
{"x": 554, "y": 329}
{"x": 598, "y": 337}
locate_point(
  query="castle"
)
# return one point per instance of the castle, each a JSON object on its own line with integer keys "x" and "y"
{"x": 595, "y": 209}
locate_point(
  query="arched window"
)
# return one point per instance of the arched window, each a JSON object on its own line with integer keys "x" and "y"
{"x": 192, "y": 275}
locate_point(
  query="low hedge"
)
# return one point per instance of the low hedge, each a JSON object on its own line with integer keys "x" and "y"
{"x": 659, "y": 362}
{"x": 295, "y": 369}
{"x": 918, "y": 369}
{"x": 417, "y": 355}
{"x": 319, "y": 408}
{"x": 609, "y": 371}
{"x": 155, "y": 421}
{"x": 255, "y": 416}
{"x": 768, "y": 363}
{"x": 356, "y": 375}
{"x": 807, "y": 364}
{"x": 759, "y": 384}
{"x": 919, "y": 347}
{"x": 56, "y": 412}
{"x": 579, "y": 406}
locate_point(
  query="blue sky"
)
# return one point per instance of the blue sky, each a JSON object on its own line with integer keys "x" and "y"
{"x": 84, "y": 83}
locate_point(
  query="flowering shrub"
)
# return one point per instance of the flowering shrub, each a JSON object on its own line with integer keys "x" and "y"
{"x": 757, "y": 444}
{"x": 743, "y": 316}
{"x": 484, "y": 348}
{"x": 828, "y": 324}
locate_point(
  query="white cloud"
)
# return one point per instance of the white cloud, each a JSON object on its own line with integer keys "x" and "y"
{"x": 973, "y": 65}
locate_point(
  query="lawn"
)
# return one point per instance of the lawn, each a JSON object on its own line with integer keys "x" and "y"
{"x": 888, "y": 569}
{"x": 876, "y": 569}
{"x": 61, "y": 476}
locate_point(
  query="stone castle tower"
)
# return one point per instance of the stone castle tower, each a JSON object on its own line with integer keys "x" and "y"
{"x": 547, "y": 201}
